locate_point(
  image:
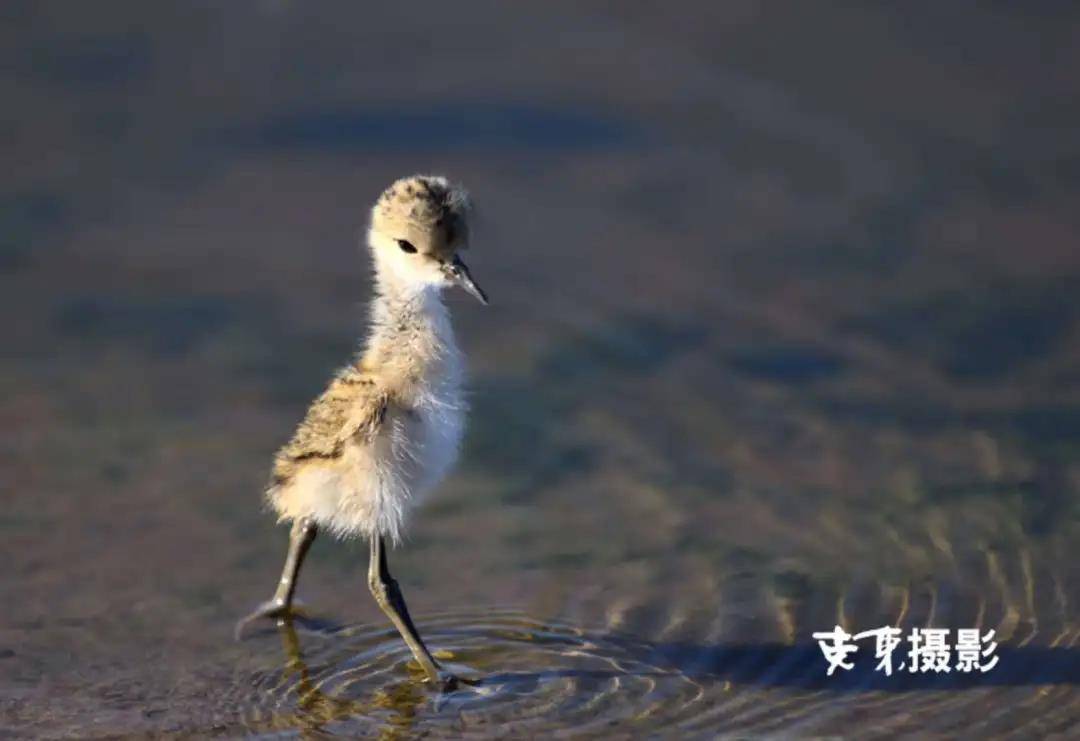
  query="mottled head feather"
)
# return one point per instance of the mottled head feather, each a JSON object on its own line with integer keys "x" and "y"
{"x": 428, "y": 211}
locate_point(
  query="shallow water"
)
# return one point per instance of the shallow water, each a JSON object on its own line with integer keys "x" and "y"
{"x": 770, "y": 351}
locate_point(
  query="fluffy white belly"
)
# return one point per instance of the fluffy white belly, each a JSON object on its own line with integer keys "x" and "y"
{"x": 426, "y": 440}
{"x": 374, "y": 486}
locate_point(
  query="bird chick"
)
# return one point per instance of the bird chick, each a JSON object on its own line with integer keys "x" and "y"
{"x": 388, "y": 427}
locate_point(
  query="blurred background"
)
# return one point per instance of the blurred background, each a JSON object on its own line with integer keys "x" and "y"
{"x": 784, "y": 335}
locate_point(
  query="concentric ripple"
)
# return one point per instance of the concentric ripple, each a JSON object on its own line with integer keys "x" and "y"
{"x": 530, "y": 676}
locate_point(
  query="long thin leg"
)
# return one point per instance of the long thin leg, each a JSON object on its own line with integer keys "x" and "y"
{"x": 280, "y": 605}
{"x": 387, "y": 593}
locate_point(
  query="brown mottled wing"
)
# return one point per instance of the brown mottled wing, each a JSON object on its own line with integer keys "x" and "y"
{"x": 351, "y": 407}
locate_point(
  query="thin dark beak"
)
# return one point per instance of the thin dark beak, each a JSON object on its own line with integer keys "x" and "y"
{"x": 458, "y": 272}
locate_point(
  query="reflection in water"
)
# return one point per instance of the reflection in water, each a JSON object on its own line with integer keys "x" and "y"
{"x": 301, "y": 702}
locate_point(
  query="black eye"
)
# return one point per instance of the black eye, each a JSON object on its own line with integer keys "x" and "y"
{"x": 406, "y": 246}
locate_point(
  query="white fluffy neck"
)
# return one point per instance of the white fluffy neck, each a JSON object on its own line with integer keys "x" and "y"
{"x": 411, "y": 329}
